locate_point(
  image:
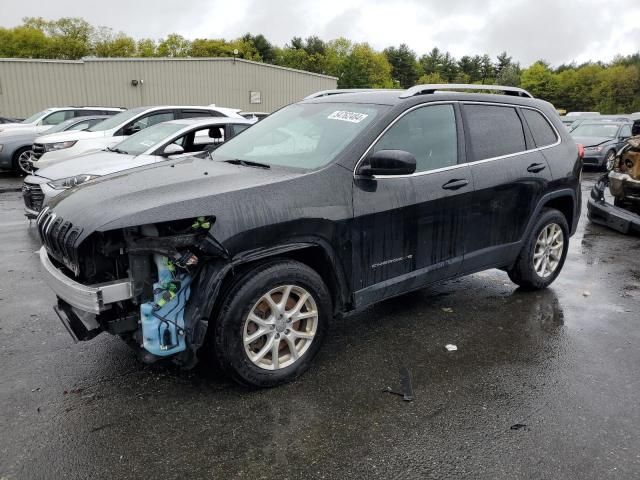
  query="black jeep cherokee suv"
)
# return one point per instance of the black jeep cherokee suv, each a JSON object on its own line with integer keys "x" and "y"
{"x": 324, "y": 207}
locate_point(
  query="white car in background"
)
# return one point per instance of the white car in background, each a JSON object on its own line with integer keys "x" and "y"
{"x": 51, "y": 149}
{"x": 154, "y": 144}
{"x": 44, "y": 120}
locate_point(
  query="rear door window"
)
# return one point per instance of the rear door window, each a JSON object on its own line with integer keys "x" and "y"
{"x": 153, "y": 119}
{"x": 543, "y": 133}
{"x": 429, "y": 133}
{"x": 493, "y": 131}
{"x": 57, "y": 117}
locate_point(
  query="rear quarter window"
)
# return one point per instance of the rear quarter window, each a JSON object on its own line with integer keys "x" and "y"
{"x": 493, "y": 131}
{"x": 542, "y": 132}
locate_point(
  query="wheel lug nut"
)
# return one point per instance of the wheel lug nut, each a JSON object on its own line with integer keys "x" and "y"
{"x": 287, "y": 331}
{"x": 272, "y": 327}
{"x": 277, "y": 335}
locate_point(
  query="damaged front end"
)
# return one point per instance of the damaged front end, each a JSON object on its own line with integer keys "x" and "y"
{"x": 624, "y": 184}
{"x": 143, "y": 284}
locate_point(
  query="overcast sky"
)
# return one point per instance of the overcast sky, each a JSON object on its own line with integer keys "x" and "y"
{"x": 556, "y": 30}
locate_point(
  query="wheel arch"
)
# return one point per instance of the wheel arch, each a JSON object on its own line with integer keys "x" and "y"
{"x": 562, "y": 200}
{"x": 316, "y": 254}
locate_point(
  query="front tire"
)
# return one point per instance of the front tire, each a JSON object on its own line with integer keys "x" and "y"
{"x": 272, "y": 324}
{"x": 609, "y": 160}
{"x": 20, "y": 161}
{"x": 544, "y": 252}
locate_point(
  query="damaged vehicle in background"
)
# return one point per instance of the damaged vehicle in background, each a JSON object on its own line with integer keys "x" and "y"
{"x": 602, "y": 140}
{"x": 151, "y": 145}
{"x": 624, "y": 185}
{"x": 324, "y": 207}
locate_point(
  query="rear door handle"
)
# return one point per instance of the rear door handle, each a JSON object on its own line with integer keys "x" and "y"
{"x": 536, "y": 167}
{"x": 455, "y": 184}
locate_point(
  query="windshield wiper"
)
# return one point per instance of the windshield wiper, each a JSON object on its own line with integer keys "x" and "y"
{"x": 247, "y": 163}
{"x": 117, "y": 150}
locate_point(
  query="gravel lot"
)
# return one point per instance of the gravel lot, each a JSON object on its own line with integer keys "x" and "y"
{"x": 543, "y": 385}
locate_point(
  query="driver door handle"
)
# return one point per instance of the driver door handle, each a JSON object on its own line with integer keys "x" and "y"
{"x": 455, "y": 184}
{"x": 536, "y": 167}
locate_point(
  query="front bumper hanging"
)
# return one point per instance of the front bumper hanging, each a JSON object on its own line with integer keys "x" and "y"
{"x": 87, "y": 298}
{"x": 601, "y": 212}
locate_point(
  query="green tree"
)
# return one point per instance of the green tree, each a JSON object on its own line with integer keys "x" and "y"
{"x": 173, "y": 46}
{"x": 69, "y": 37}
{"x": 431, "y": 62}
{"x": 363, "y": 67}
{"x": 539, "y": 80}
{"x": 509, "y": 75}
{"x": 404, "y": 65}
{"x": 264, "y": 48}
{"x": 106, "y": 44}
{"x": 146, "y": 47}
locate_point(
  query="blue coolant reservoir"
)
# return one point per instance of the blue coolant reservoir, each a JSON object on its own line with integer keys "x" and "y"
{"x": 163, "y": 319}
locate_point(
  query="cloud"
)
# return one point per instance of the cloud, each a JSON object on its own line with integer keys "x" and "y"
{"x": 557, "y": 31}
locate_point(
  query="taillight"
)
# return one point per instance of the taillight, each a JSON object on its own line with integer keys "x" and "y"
{"x": 580, "y": 150}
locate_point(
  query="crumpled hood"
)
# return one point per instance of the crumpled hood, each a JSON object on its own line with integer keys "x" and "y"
{"x": 162, "y": 192}
{"x": 592, "y": 141}
{"x": 68, "y": 136}
{"x": 95, "y": 163}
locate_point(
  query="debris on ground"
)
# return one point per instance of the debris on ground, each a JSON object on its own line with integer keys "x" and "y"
{"x": 586, "y": 293}
{"x": 519, "y": 426}
{"x": 447, "y": 310}
{"x": 407, "y": 386}
{"x": 451, "y": 347}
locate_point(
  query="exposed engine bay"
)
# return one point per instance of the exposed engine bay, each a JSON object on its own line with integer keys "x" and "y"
{"x": 162, "y": 261}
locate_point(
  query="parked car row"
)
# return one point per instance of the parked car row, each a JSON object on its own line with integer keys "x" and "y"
{"x": 325, "y": 207}
{"x": 158, "y": 142}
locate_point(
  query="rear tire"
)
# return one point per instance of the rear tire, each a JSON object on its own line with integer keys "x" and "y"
{"x": 271, "y": 324}
{"x": 544, "y": 252}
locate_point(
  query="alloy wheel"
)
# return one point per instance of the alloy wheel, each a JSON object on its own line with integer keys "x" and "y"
{"x": 609, "y": 160}
{"x": 24, "y": 162}
{"x": 548, "y": 250}
{"x": 280, "y": 327}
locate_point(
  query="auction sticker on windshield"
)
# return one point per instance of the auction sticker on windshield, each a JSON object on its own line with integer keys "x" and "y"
{"x": 352, "y": 117}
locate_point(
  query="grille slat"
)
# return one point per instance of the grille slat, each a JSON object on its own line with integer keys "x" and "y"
{"x": 33, "y": 196}
{"x": 59, "y": 236}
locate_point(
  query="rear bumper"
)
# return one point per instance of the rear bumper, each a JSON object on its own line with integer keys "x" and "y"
{"x": 86, "y": 298}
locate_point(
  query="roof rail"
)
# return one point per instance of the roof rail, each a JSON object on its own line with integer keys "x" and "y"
{"x": 337, "y": 91}
{"x": 432, "y": 88}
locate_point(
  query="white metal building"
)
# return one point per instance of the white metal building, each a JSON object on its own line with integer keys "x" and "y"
{"x": 27, "y": 86}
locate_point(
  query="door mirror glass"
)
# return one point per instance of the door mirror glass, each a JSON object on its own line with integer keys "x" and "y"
{"x": 172, "y": 149}
{"x": 130, "y": 130}
{"x": 389, "y": 162}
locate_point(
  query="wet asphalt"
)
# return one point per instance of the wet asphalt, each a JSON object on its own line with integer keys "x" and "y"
{"x": 543, "y": 385}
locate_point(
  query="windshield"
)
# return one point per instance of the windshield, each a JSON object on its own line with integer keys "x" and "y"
{"x": 596, "y": 130}
{"x": 62, "y": 127}
{"x": 33, "y": 118}
{"x": 302, "y": 135}
{"x": 145, "y": 139}
{"x": 116, "y": 120}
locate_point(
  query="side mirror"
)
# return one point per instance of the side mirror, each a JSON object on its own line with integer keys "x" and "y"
{"x": 389, "y": 162}
{"x": 172, "y": 149}
{"x": 130, "y": 130}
